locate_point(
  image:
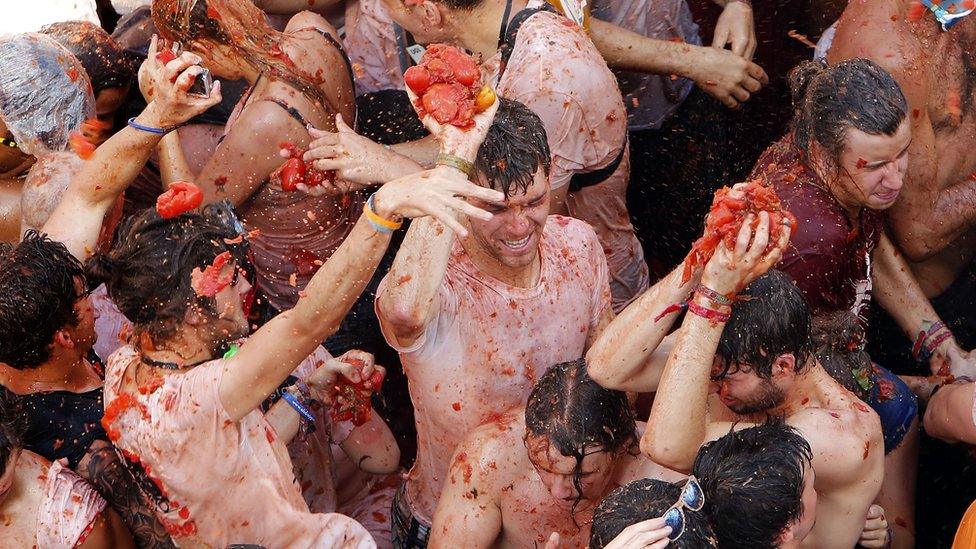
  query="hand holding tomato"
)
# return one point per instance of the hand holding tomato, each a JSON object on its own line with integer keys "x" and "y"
{"x": 731, "y": 269}
{"x": 358, "y": 162}
{"x": 164, "y": 80}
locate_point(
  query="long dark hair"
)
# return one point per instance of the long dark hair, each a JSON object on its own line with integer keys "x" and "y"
{"x": 574, "y": 413}
{"x": 838, "y": 343}
{"x": 828, "y": 101}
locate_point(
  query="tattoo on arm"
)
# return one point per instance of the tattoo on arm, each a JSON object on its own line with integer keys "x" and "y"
{"x": 103, "y": 468}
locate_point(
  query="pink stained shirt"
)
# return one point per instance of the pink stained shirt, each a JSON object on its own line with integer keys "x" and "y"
{"x": 70, "y": 506}
{"x": 371, "y": 45}
{"x": 227, "y": 482}
{"x": 557, "y": 72}
{"x": 485, "y": 348}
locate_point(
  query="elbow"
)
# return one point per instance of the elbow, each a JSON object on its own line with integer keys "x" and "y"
{"x": 661, "y": 450}
{"x": 404, "y": 319}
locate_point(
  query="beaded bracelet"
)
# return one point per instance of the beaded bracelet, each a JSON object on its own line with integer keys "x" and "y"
{"x": 381, "y": 224}
{"x": 711, "y": 294}
{"x": 157, "y": 131}
{"x": 455, "y": 162}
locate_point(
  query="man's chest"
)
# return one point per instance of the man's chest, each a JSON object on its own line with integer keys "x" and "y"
{"x": 530, "y": 516}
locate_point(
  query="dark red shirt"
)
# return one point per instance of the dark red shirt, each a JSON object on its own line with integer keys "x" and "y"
{"x": 829, "y": 257}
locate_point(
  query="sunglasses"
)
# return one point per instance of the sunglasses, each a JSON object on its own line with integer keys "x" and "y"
{"x": 8, "y": 141}
{"x": 693, "y": 499}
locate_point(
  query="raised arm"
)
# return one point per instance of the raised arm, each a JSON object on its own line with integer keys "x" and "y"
{"x": 77, "y": 220}
{"x": 621, "y": 358}
{"x": 899, "y": 293}
{"x": 728, "y": 77}
{"x": 949, "y": 414}
{"x": 678, "y": 424}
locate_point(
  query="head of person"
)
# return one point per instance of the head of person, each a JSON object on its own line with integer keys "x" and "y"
{"x": 838, "y": 343}
{"x": 45, "y": 94}
{"x": 44, "y": 305}
{"x": 759, "y": 486}
{"x": 646, "y": 499}
{"x": 575, "y": 432}
{"x": 430, "y": 21}
{"x": 231, "y": 35}
{"x": 851, "y": 123}
{"x": 12, "y": 427}
{"x": 765, "y": 345}
{"x": 109, "y": 69}
{"x": 158, "y": 271}
{"x": 514, "y": 159}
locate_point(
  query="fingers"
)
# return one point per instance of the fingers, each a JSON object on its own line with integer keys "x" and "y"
{"x": 744, "y": 236}
{"x": 751, "y": 84}
{"x": 447, "y": 217}
{"x": 341, "y": 124}
{"x": 326, "y": 164}
{"x": 740, "y": 45}
{"x": 740, "y": 94}
{"x": 319, "y": 149}
{"x": 172, "y": 70}
{"x": 758, "y": 73}
{"x": 468, "y": 209}
{"x": 721, "y": 37}
{"x": 186, "y": 78}
{"x": 751, "y": 49}
{"x": 875, "y": 512}
{"x": 470, "y": 190}
{"x": 760, "y": 239}
{"x": 366, "y": 358}
{"x": 553, "y": 541}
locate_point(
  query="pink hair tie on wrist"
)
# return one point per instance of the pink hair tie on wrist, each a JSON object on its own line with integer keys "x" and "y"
{"x": 713, "y": 315}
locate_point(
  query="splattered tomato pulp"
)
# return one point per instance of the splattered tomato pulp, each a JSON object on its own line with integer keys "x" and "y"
{"x": 181, "y": 197}
{"x": 725, "y": 219}
{"x": 448, "y": 86}
{"x": 352, "y": 401}
{"x": 296, "y": 171}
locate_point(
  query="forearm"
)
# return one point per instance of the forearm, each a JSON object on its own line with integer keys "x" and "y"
{"x": 677, "y": 425}
{"x": 102, "y": 468}
{"x": 172, "y": 162}
{"x": 619, "y": 358}
{"x": 898, "y": 291}
{"x": 626, "y": 50}
{"x": 284, "y": 420}
{"x": 422, "y": 151}
{"x": 415, "y": 277}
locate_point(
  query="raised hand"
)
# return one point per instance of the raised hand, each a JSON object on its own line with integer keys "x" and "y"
{"x": 728, "y": 271}
{"x": 455, "y": 141}
{"x": 165, "y": 87}
{"x": 439, "y": 193}
{"x": 358, "y": 162}
{"x": 735, "y": 27}
{"x": 648, "y": 534}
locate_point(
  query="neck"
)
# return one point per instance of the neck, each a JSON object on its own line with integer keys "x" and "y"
{"x": 805, "y": 392}
{"x": 477, "y": 30}
{"x": 67, "y": 369}
{"x": 828, "y": 184}
{"x": 185, "y": 348}
{"x": 520, "y": 277}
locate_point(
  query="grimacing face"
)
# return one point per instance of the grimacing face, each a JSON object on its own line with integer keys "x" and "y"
{"x": 743, "y": 391}
{"x": 873, "y": 168}
{"x": 512, "y": 235}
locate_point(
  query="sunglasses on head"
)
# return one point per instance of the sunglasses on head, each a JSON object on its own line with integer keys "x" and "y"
{"x": 692, "y": 498}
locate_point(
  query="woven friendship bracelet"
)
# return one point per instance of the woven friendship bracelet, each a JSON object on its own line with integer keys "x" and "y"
{"x": 455, "y": 162}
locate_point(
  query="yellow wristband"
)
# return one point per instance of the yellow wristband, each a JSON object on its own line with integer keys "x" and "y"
{"x": 381, "y": 224}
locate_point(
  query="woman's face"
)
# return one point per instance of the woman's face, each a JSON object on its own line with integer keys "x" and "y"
{"x": 106, "y": 103}
{"x": 872, "y": 168}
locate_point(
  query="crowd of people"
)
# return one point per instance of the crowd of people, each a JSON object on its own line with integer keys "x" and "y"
{"x": 256, "y": 292}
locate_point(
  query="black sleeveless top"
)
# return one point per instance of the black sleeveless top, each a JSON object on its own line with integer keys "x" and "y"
{"x": 61, "y": 424}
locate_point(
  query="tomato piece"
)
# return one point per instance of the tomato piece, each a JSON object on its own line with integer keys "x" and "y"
{"x": 353, "y": 401}
{"x": 211, "y": 280}
{"x": 181, "y": 197}
{"x": 462, "y": 66}
{"x": 292, "y": 174}
{"x": 306, "y": 263}
{"x": 485, "y": 99}
{"x": 441, "y": 102}
{"x": 165, "y": 56}
{"x": 418, "y": 78}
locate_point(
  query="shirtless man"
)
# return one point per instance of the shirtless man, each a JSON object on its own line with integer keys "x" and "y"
{"x": 550, "y": 65}
{"x": 935, "y": 72}
{"x": 759, "y": 354}
{"x": 478, "y": 318}
{"x": 542, "y": 468}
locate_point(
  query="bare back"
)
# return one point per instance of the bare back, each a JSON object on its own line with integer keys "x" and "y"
{"x": 938, "y": 77}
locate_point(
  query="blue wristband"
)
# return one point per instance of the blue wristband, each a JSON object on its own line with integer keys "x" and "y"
{"x": 298, "y": 406}
{"x": 149, "y": 129}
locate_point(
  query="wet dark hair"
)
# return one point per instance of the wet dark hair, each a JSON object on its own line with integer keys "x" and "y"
{"x": 856, "y": 93}
{"x": 147, "y": 273}
{"x": 769, "y": 319}
{"x": 104, "y": 60}
{"x": 13, "y": 425}
{"x": 574, "y": 413}
{"x": 838, "y": 343}
{"x": 642, "y": 500}
{"x": 514, "y": 148}
{"x": 39, "y": 286}
{"x": 753, "y": 483}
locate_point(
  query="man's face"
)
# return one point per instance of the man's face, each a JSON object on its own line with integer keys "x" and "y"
{"x": 512, "y": 235}
{"x": 418, "y": 19}
{"x": 231, "y": 320}
{"x": 558, "y": 471}
{"x": 873, "y": 168}
{"x": 743, "y": 391}
{"x": 83, "y": 335}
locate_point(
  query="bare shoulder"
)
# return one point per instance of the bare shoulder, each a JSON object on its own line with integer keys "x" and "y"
{"x": 309, "y": 19}
{"x": 266, "y": 122}
{"x": 843, "y": 440}
{"x": 493, "y": 455}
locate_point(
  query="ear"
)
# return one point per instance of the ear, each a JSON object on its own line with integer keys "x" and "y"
{"x": 430, "y": 13}
{"x": 63, "y": 338}
{"x": 787, "y": 536}
{"x": 784, "y": 365}
{"x": 194, "y": 316}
